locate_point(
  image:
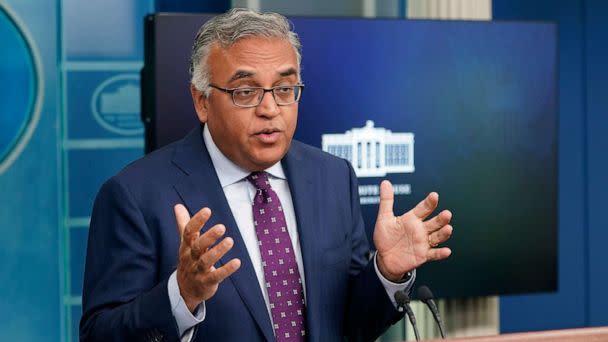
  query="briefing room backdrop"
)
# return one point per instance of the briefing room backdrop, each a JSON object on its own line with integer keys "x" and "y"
{"x": 69, "y": 118}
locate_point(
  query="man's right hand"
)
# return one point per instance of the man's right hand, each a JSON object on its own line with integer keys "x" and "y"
{"x": 197, "y": 277}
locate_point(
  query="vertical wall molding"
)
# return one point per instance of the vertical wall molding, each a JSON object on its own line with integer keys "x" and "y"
{"x": 450, "y": 9}
{"x": 251, "y": 4}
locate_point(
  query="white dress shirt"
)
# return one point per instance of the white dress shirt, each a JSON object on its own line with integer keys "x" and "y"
{"x": 240, "y": 194}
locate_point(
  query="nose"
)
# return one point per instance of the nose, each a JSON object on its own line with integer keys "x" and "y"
{"x": 268, "y": 107}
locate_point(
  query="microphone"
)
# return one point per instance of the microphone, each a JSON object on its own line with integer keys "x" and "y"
{"x": 426, "y": 296}
{"x": 403, "y": 301}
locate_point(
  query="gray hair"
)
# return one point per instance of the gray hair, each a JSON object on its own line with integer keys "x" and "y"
{"x": 226, "y": 29}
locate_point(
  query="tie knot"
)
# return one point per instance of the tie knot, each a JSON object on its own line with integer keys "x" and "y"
{"x": 259, "y": 179}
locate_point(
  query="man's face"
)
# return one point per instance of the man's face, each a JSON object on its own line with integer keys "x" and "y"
{"x": 258, "y": 137}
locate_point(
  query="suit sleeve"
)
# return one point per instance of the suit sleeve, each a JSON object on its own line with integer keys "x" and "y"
{"x": 123, "y": 299}
{"x": 369, "y": 310}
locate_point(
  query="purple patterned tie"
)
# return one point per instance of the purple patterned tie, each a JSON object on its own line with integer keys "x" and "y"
{"x": 283, "y": 282}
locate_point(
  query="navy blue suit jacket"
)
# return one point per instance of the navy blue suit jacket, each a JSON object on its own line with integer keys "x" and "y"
{"x": 133, "y": 248}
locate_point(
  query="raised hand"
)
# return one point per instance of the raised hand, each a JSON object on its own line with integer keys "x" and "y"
{"x": 197, "y": 277}
{"x": 405, "y": 242}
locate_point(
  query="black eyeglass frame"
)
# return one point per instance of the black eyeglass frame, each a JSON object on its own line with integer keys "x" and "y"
{"x": 265, "y": 90}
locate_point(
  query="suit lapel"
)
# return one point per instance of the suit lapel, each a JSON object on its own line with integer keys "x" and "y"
{"x": 200, "y": 187}
{"x": 305, "y": 194}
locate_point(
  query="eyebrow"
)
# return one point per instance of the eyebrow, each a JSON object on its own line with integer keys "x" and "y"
{"x": 240, "y": 74}
{"x": 288, "y": 72}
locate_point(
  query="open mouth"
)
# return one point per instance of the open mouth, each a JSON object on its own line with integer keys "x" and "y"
{"x": 268, "y": 135}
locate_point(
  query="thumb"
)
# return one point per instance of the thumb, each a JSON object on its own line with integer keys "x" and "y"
{"x": 182, "y": 217}
{"x": 387, "y": 197}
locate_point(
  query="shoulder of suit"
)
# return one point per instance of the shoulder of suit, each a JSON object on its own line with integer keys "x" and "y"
{"x": 159, "y": 162}
{"x": 152, "y": 161}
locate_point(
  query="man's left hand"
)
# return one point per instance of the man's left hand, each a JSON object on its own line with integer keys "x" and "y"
{"x": 405, "y": 242}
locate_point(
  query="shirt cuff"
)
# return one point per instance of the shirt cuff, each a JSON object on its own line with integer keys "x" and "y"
{"x": 392, "y": 287}
{"x": 184, "y": 318}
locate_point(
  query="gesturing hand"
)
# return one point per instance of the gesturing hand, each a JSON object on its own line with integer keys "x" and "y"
{"x": 407, "y": 241}
{"x": 197, "y": 277}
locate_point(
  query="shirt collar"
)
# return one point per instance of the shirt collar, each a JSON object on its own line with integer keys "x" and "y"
{"x": 227, "y": 171}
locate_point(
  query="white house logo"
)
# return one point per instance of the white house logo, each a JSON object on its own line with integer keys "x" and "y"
{"x": 22, "y": 90}
{"x": 373, "y": 151}
{"x": 115, "y": 104}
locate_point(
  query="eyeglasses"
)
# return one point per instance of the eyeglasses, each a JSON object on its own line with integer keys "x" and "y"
{"x": 252, "y": 96}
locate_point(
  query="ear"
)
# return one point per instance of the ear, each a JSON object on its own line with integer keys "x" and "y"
{"x": 200, "y": 103}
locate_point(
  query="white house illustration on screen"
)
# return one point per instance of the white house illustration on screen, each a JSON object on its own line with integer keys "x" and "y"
{"x": 373, "y": 151}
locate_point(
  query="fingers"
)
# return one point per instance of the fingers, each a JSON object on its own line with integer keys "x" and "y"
{"x": 440, "y": 236}
{"x": 197, "y": 222}
{"x": 204, "y": 266}
{"x": 203, "y": 255}
{"x": 387, "y": 198}
{"x": 189, "y": 230}
{"x": 438, "y": 253}
{"x": 438, "y": 221}
{"x": 426, "y": 206}
{"x": 211, "y": 256}
{"x": 187, "y": 227}
{"x": 218, "y": 275}
{"x": 197, "y": 277}
{"x": 208, "y": 238}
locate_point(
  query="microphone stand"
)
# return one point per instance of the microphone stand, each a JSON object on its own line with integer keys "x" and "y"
{"x": 403, "y": 301}
{"x": 426, "y": 296}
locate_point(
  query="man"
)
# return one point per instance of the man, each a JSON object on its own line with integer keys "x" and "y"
{"x": 270, "y": 243}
